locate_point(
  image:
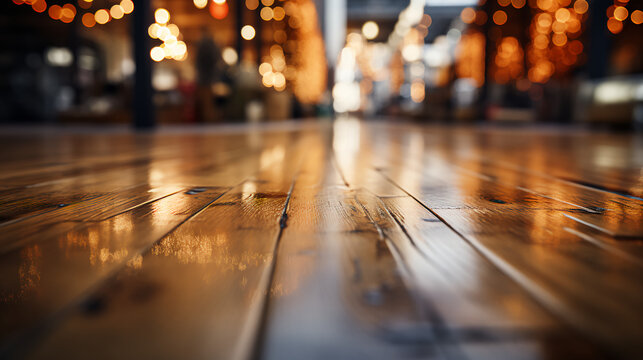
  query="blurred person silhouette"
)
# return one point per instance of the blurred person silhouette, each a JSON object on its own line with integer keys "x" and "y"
{"x": 208, "y": 69}
{"x": 245, "y": 101}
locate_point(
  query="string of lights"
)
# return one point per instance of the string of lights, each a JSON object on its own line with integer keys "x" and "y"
{"x": 68, "y": 12}
{"x": 617, "y": 13}
{"x": 172, "y": 47}
{"x": 288, "y": 60}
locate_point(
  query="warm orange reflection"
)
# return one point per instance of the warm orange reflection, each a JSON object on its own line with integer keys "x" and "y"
{"x": 55, "y": 12}
{"x": 614, "y": 25}
{"x": 39, "y": 6}
{"x": 468, "y": 15}
{"x": 508, "y": 60}
{"x": 29, "y": 274}
{"x": 500, "y": 17}
{"x": 102, "y": 16}
{"x": 89, "y": 20}
{"x": 637, "y": 17}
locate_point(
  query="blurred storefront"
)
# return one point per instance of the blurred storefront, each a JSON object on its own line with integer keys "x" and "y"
{"x": 517, "y": 61}
{"x": 76, "y": 60}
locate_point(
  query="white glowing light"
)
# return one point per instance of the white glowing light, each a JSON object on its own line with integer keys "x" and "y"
{"x": 346, "y": 97}
{"x": 248, "y": 32}
{"x": 200, "y": 4}
{"x": 162, "y": 16}
{"x": 59, "y": 57}
{"x": 614, "y": 92}
{"x": 230, "y": 56}
{"x": 157, "y": 54}
{"x": 411, "y": 52}
{"x": 370, "y": 30}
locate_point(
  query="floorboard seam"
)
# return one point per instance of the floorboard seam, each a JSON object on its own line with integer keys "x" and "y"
{"x": 539, "y": 294}
{"x": 444, "y": 333}
{"x": 254, "y": 334}
{"x": 19, "y": 347}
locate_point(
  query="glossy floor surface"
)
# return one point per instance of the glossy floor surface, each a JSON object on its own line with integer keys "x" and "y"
{"x": 320, "y": 240}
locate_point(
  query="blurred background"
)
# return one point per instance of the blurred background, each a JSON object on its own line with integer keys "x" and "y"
{"x": 148, "y": 62}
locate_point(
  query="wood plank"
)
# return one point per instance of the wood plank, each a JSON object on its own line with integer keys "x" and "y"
{"x": 336, "y": 292}
{"x": 601, "y": 159}
{"x": 72, "y": 164}
{"x": 205, "y": 278}
{"x": 41, "y": 279}
{"x": 209, "y": 278}
{"x": 17, "y": 233}
{"x": 44, "y": 160}
{"x": 465, "y": 288}
{"x": 474, "y": 301}
{"x": 615, "y": 215}
{"x": 441, "y": 184}
{"x": 477, "y": 243}
{"x": 29, "y": 200}
{"x": 573, "y": 278}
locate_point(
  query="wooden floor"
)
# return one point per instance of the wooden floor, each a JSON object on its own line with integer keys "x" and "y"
{"x": 320, "y": 240}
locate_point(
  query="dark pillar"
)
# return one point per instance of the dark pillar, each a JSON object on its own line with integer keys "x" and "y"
{"x": 258, "y": 24}
{"x": 599, "y": 40}
{"x": 143, "y": 107}
{"x": 483, "y": 100}
{"x": 74, "y": 44}
{"x": 239, "y": 5}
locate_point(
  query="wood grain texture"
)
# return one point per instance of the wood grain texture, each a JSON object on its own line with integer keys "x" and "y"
{"x": 208, "y": 279}
{"x": 346, "y": 239}
{"x": 336, "y": 282}
{"x": 35, "y": 289}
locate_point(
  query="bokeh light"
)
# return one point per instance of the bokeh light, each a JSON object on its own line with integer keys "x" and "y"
{"x": 229, "y": 56}
{"x": 248, "y": 32}
{"x": 499, "y": 17}
{"x": 117, "y": 12}
{"x": 55, "y": 11}
{"x": 370, "y": 30}
{"x": 201, "y": 4}
{"x": 614, "y": 26}
{"x": 39, "y": 6}
{"x": 266, "y": 14}
{"x": 157, "y": 53}
{"x": 279, "y": 80}
{"x": 620, "y": 13}
{"x": 101, "y": 16}
{"x": 153, "y": 30}
{"x": 162, "y": 16}
{"x": 264, "y": 68}
{"x": 637, "y": 17}
{"x": 128, "y": 6}
{"x": 518, "y": 4}
{"x": 252, "y": 4}
{"x": 219, "y": 10}
{"x": 581, "y": 6}
{"x": 562, "y": 15}
{"x": 88, "y": 20}
{"x": 417, "y": 91}
{"x": 468, "y": 15}
{"x": 174, "y": 30}
{"x": 278, "y": 13}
